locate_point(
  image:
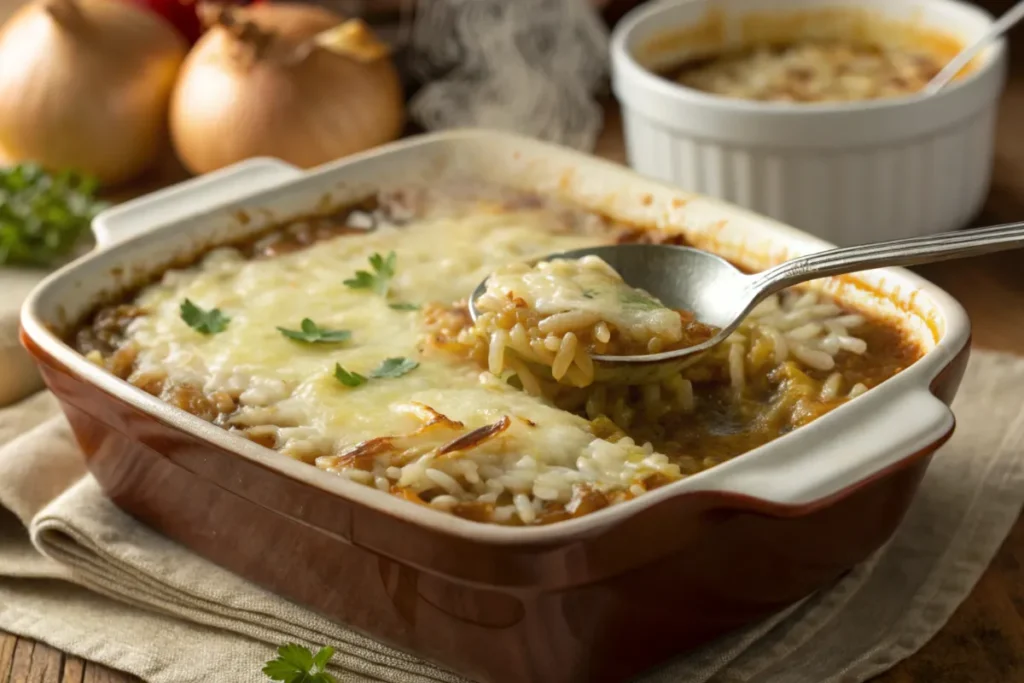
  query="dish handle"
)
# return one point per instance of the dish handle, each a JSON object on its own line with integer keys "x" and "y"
{"x": 839, "y": 452}
{"x": 189, "y": 198}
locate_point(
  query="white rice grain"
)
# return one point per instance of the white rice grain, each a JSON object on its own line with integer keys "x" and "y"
{"x": 780, "y": 346}
{"x": 560, "y": 323}
{"x": 524, "y": 508}
{"x": 496, "y": 351}
{"x": 545, "y": 492}
{"x": 853, "y": 345}
{"x": 832, "y": 385}
{"x": 805, "y": 332}
{"x": 819, "y": 360}
{"x": 736, "y": 369}
{"x": 565, "y": 355}
{"x": 444, "y": 502}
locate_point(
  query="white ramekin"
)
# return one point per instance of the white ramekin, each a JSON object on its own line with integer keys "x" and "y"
{"x": 847, "y": 172}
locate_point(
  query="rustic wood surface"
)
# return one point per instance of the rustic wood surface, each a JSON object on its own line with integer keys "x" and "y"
{"x": 984, "y": 640}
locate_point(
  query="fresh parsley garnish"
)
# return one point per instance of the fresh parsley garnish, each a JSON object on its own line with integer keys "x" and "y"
{"x": 311, "y": 333}
{"x": 379, "y": 280}
{"x": 349, "y": 379}
{"x": 43, "y": 216}
{"x": 394, "y": 367}
{"x": 404, "y": 306}
{"x": 297, "y": 664}
{"x": 204, "y": 322}
{"x": 638, "y": 299}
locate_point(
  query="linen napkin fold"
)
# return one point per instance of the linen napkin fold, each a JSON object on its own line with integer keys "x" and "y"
{"x": 81, "y": 575}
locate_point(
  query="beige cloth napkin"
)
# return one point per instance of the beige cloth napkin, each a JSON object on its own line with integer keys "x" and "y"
{"x": 81, "y": 575}
{"x": 18, "y": 375}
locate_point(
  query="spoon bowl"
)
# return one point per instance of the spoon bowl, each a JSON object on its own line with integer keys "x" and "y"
{"x": 720, "y": 295}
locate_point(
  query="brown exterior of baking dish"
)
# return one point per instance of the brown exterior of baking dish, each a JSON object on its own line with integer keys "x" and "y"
{"x": 619, "y": 604}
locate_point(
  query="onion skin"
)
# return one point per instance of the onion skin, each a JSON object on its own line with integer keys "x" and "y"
{"x": 85, "y": 86}
{"x": 229, "y": 104}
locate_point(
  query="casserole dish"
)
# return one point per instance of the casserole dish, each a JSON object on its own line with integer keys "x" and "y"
{"x": 550, "y": 603}
{"x": 849, "y": 172}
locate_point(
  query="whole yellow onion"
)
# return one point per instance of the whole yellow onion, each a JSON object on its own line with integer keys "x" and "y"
{"x": 292, "y": 81}
{"x": 84, "y": 85}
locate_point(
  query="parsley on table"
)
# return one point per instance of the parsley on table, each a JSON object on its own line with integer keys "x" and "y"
{"x": 43, "y": 216}
{"x": 379, "y": 280}
{"x": 297, "y": 664}
{"x": 311, "y": 333}
{"x": 204, "y": 322}
{"x": 349, "y": 379}
{"x": 404, "y": 306}
{"x": 394, "y": 367}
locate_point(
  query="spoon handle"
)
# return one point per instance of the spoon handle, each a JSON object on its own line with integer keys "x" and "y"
{"x": 904, "y": 252}
{"x": 964, "y": 57}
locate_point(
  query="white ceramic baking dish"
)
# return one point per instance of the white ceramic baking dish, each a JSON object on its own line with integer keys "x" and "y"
{"x": 499, "y": 603}
{"x": 847, "y": 172}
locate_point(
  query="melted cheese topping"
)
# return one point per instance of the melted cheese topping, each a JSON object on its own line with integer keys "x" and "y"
{"x": 291, "y": 384}
{"x": 814, "y": 72}
{"x": 587, "y": 285}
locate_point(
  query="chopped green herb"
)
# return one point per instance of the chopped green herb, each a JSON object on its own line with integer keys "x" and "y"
{"x": 403, "y": 306}
{"x": 311, "y": 333}
{"x": 638, "y": 299}
{"x": 589, "y": 294}
{"x": 204, "y": 322}
{"x": 296, "y": 664}
{"x": 379, "y": 280}
{"x": 394, "y": 367}
{"x": 43, "y": 217}
{"x": 349, "y": 379}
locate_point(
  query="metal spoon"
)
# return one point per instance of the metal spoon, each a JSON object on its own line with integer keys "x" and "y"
{"x": 718, "y": 294}
{"x": 963, "y": 58}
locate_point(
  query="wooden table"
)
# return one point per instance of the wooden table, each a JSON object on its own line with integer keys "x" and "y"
{"x": 984, "y": 640}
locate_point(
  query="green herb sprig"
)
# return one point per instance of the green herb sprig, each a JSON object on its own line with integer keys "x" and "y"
{"x": 297, "y": 664}
{"x": 311, "y": 333}
{"x": 404, "y": 306}
{"x": 44, "y": 217}
{"x": 202, "y": 321}
{"x": 390, "y": 368}
{"x": 349, "y": 379}
{"x": 394, "y": 367}
{"x": 379, "y": 281}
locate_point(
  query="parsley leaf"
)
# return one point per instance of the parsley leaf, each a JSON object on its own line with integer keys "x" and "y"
{"x": 44, "y": 217}
{"x": 204, "y": 322}
{"x": 404, "y": 306}
{"x": 394, "y": 367}
{"x": 379, "y": 280}
{"x": 321, "y": 658}
{"x": 312, "y": 333}
{"x": 296, "y": 664}
{"x": 349, "y": 379}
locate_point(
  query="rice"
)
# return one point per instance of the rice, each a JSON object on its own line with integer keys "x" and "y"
{"x": 560, "y": 313}
{"x": 799, "y": 326}
{"x": 521, "y": 333}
